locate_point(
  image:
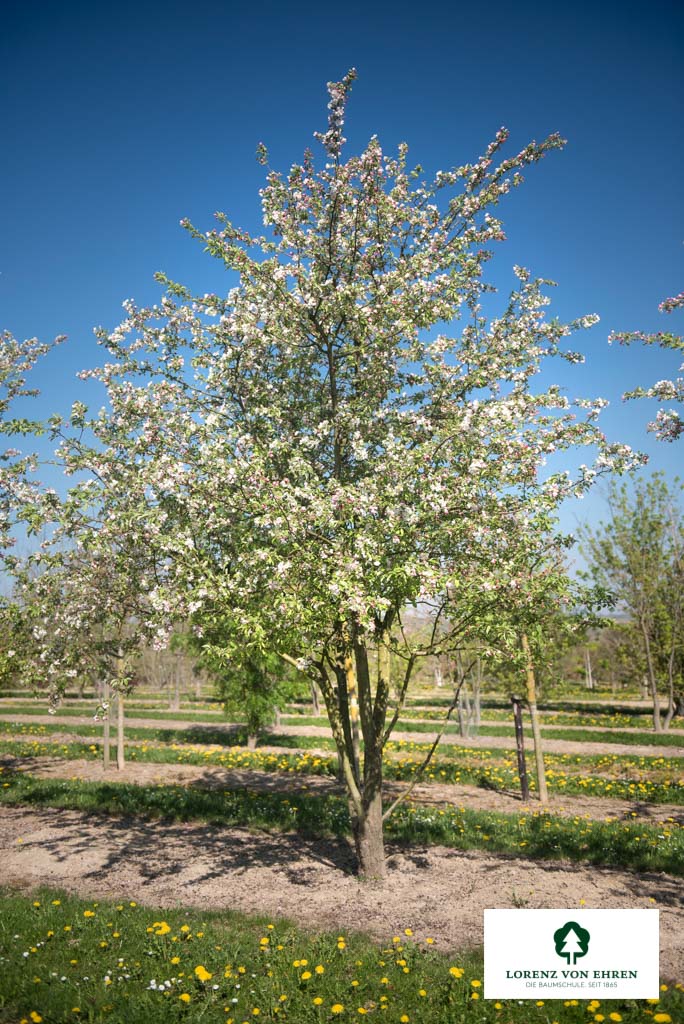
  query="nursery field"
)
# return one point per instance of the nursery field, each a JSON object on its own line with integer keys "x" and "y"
{"x": 208, "y": 881}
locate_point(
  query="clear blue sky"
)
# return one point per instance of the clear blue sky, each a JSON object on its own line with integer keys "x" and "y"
{"x": 119, "y": 119}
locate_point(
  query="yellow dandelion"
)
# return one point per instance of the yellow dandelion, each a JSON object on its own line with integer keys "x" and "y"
{"x": 662, "y": 1018}
{"x": 317, "y": 1001}
{"x": 337, "y": 1008}
{"x": 320, "y": 969}
{"x": 202, "y": 973}
{"x": 184, "y": 997}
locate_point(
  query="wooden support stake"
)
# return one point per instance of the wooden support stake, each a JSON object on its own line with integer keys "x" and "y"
{"x": 520, "y": 748}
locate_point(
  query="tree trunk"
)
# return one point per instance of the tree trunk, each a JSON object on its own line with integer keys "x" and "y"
{"x": 534, "y": 717}
{"x": 462, "y": 724}
{"x": 315, "y": 702}
{"x": 653, "y": 683}
{"x": 175, "y": 693}
{"x": 252, "y": 741}
{"x": 105, "y": 729}
{"x": 353, "y": 696}
{"x": 589, "y": 677}
{"x": 120, "y": 759}
{"x": 520, "y": 748}
{"x": 368, "y": 838}
{"x": 278, "y": 715}
{"x": 477, "y": 695}
{"x": 672, "y": 705}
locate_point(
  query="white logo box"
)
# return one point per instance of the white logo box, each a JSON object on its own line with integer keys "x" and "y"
{"x": 610, "y": 954}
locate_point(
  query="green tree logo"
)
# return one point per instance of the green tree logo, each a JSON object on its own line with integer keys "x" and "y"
{"x": 572, "y": 941}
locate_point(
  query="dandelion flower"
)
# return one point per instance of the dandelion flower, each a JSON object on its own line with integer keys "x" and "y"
{"x": 202, "y": 973}
{"x": 184, "y": 997}
{"x": 337, "y": 1008}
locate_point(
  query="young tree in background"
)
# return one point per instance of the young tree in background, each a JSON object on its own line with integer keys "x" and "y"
{"x": 638, "y": 554}
{"x": 253, "y": 687}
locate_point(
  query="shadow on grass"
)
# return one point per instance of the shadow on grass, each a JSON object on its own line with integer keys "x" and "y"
{"x": 316, "y": 817}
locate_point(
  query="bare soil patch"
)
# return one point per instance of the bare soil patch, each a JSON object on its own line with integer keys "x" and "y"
{"x": 437, "y": 892}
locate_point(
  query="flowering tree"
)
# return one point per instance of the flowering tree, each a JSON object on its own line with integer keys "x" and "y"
{"x": 84, "y": 590}
{"x": 668, "y": 424}
{"x": 17, "y": 486}
{"x": 327, "y": 445}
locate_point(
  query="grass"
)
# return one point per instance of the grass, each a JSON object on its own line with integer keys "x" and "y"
{"x": 578, "y": 735}
{"x": 469, "y": 767}
{"x": 69, "y": 960}
{"x": 653, "y": 847}
{"x": 87, "y": 711}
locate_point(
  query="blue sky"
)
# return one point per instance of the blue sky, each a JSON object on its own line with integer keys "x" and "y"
{"x": 118, "y": 120}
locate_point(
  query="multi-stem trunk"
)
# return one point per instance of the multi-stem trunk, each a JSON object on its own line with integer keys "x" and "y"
{"x": 534, "y": 717}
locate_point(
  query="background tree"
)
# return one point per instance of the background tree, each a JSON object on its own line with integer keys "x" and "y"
{"x": 317, "y": 457}
{"x": 639, "y": 555}
{"x": 253, "y": 687}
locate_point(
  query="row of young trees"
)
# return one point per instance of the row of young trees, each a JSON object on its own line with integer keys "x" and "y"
{"x": 343, "y": 436}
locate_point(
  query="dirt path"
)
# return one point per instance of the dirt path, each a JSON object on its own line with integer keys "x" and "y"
{"x": 472, "y": 797}
{"x": 437, "y": 892}
{"x": 499, "y": 742}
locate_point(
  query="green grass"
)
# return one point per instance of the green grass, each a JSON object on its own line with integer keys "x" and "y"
{"x": 469, "y": 768}
{"x": 654, "y": 847}
{"x": 199, "y": 734}
{"x": 66, "y": 959}
{"x": 88, "y": 709}
{"x": 631, "y": 737}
